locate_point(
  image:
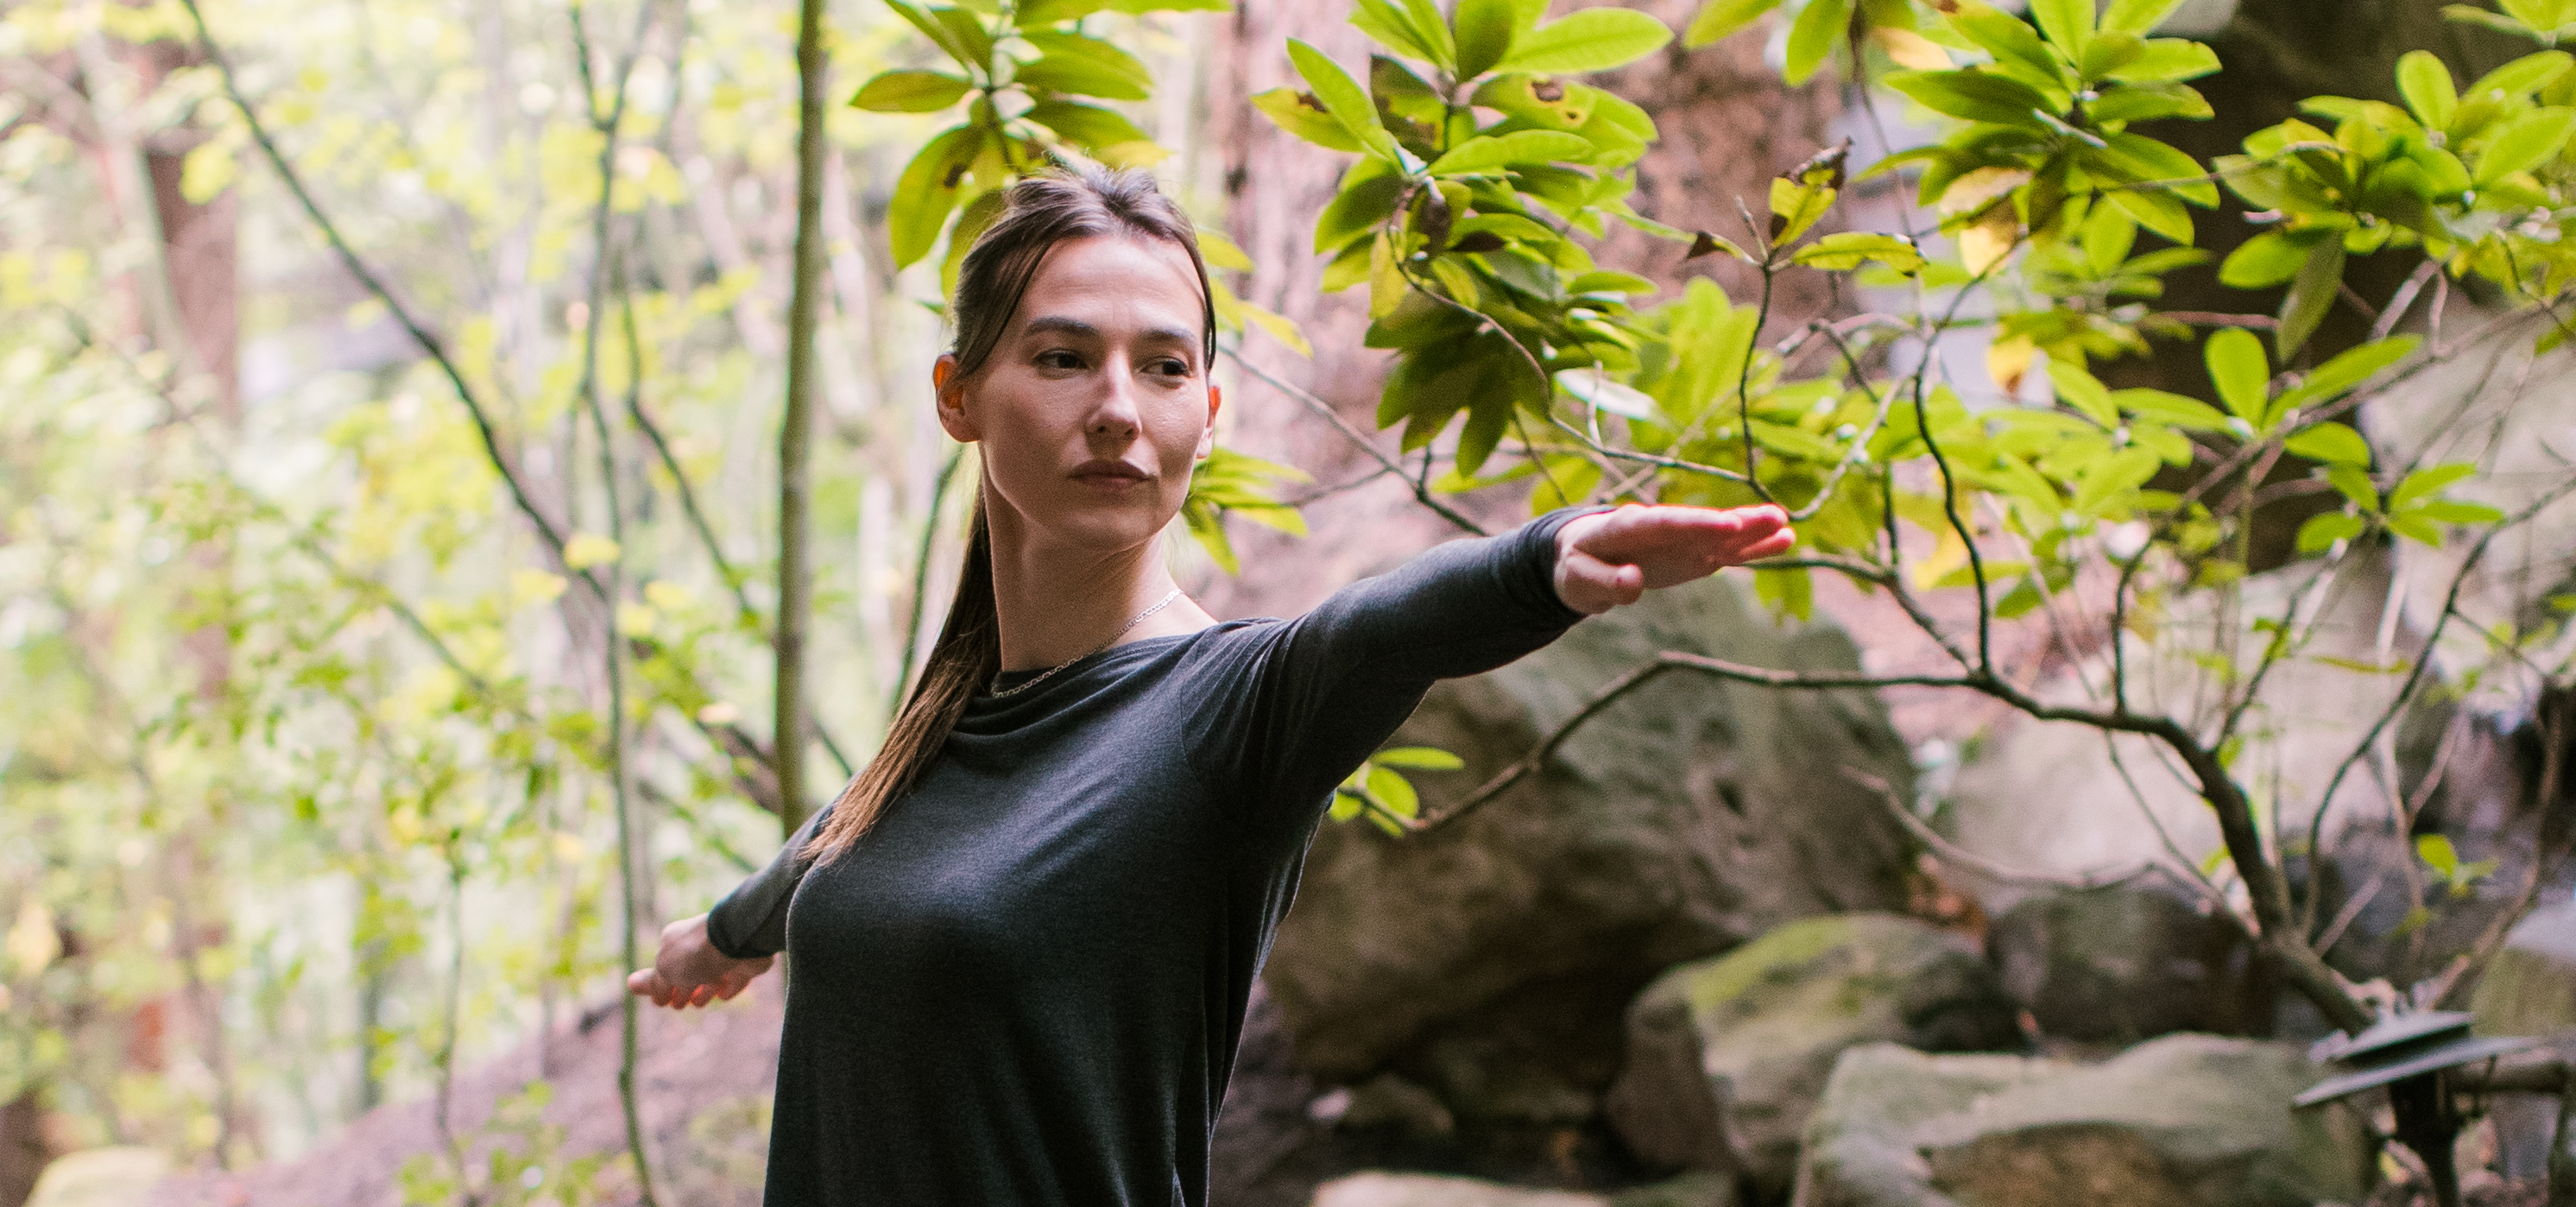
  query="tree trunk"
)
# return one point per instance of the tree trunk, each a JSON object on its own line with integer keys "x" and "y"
{"x": 795, "y": 575}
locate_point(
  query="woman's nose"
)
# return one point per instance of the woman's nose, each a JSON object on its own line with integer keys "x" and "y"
{"x": 1115, "y": 413}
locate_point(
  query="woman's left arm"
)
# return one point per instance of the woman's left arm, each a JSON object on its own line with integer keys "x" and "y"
{"x": 1346, "y": 674}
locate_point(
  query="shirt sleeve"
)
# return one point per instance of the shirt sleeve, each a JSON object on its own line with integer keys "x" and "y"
{"x": 1340, "y": 679}
{"x": 752, "y": 919}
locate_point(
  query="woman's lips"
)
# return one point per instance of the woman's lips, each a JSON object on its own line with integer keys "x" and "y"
{"x": 1105, "y": 474}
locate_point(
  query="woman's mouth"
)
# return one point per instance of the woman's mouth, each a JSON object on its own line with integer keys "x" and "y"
{"x": 1102, "y": 473}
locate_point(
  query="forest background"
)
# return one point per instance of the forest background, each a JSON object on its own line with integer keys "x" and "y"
{"x": 399, "y": 488}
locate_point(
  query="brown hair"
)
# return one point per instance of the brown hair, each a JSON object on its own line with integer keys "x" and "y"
{"x": 1075, "y": 202}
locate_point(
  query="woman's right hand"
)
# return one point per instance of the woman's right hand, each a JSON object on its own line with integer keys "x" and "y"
{"x": 689, "y": 971}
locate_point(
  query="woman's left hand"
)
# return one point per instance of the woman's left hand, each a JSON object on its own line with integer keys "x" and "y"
{"x": 1610, "y": 558}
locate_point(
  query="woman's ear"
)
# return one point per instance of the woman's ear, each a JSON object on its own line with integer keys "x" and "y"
{"x": 1207, "y": 438}
{"x": 949, "y": 389}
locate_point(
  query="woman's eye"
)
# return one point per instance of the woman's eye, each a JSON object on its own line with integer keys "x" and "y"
{"x": 1059, "y": 359}
{"x": 1169, "y": 367}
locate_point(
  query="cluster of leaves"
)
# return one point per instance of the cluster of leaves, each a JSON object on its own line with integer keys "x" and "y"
{"x": 1477, "y": 170}
{"x": 1031, "y": 76}
{"x": 2477, "y": 180}
{"x": 1474, "y": 179}
{"x": 1379, "y": 791}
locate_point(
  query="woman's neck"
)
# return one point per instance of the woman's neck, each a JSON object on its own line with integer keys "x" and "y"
{"x": 1058, "y": 602}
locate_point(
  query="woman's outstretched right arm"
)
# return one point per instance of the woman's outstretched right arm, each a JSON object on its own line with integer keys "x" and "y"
{"x": 713, "y": 956}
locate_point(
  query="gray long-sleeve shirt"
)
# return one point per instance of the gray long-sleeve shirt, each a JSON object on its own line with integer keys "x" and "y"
{"x": 1025, "y": 984}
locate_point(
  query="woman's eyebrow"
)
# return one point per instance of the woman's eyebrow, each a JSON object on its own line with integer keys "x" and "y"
{"x": 1064, "y": 325}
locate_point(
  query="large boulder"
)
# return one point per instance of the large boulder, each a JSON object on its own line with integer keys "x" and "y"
{"x": 2182, "y": 1121}
{"x": 1726, "y": 1056}
{"x": 1490, "y": 960}
{"x": 2529, "y": 988}
{"x": 2122, "y": 964}
{"x": 1428, "y": 1190}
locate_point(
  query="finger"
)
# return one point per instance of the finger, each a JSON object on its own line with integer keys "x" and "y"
{"x": 640, "y": 982}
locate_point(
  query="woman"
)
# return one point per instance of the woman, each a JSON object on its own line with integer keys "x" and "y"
{"x": 1024, "y": 936}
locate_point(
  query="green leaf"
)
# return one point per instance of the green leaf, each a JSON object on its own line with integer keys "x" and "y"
{"x": 1426, "y": 17}
{"x": 1723, "y": 17}
{"x": 1086, "y": 125}
{"x": 2528, "y": 74}
{"x": 2436, "y": 851}
{"x": 910, "y": 92}
{"x": 1484, "y": 34}
{"x": 2354, "y": 484}
{"x": 1845, "y": 250}
{"x": 2265, "y": 260}
{"x": 1486, "y": 153}
{"x": 1075, "y": 63}
{"x": 1593, "y": 39}
{"x": 1299, "y": 113}
{"x": 2190, "y": 414}
{"x": 967, "y": 30}
{"x": 2170, "y": 59}
{"x": 2426, "y": 84}
{"x": 1368, "y": 195}
{"x": 2455, "y": 511}
{"x": 1418, "y": 758}
{"x": 1397, "y": 30}
{"x": 2017, "y": 47}
{"x": 2237, "y": 368}
{"x": 2426, "y": 483}
{"x": 1343, "y": 99}
{"x": 2351, "y": 368}
{"x": 1973, "y": 95}
{"x": 942, "y": 36}
{"x": 2312, "y": 293}
{"x": 1821, "y": 25}
{"x": 2139, "y": 17}
{"x": 2332, "y": 443}
{"x": 2523, "y": 143}
{"x": 2320, "y": 532}
{"x": 2152, "y": 101}
{"x": 1795, "y": 207}
{"x": 927, "y": 191}
{"x": 2068, "y": 24}
{"x": 1542, "y": 101}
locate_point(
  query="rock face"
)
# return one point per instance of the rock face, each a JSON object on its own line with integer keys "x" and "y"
{"x": 1490, "y": 960}
{"x": 1727, "y": 1056}
{"x": 2530, "y": 986}
{"x": 1425, "y": 1190}
{"x": 2118, "y": 965}
{"x": 2183, "y": 1121}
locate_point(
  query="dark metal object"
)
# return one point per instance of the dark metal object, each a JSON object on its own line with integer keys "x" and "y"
{"x": 2409, "y": 1053}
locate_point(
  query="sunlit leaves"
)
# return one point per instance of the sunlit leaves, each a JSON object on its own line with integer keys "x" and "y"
{"x": 1592, "y": 39}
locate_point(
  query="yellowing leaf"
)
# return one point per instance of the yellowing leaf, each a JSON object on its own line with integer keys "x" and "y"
{"x": 32, "y": 943}
{"x": 532, "y": 586}
{"x": 1910, "y": 49}
{"x": 636, "y": 619}
{"x": 587, "y": 549}
{"x": 2007, "y": 360}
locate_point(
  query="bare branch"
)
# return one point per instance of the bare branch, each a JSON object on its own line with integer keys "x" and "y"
{"x": 1421, "y": 494}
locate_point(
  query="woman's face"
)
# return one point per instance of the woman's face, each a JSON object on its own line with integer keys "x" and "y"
{"x": 1094, "y": 405}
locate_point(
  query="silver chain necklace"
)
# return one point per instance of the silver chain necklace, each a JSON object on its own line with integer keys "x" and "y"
{"x": 998, "y": 692}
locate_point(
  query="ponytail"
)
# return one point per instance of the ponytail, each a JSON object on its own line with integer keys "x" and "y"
{"x": 965, "y": 658}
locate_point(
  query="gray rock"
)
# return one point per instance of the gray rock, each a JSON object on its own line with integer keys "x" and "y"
{"x": 2530, "y": 986}
{"x": 1726, "y": 1056}
{"x": 2182, "y": 1121}
{"x": 2123, "y": 964}
{"x": 1375, "y": 1189}
{"x": 1683, "y": 820}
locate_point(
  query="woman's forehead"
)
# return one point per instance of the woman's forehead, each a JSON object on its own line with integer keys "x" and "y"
{"x": 1113, "y": 277}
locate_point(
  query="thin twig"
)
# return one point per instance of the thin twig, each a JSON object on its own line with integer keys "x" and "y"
{"x": 1421, "y": 493}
